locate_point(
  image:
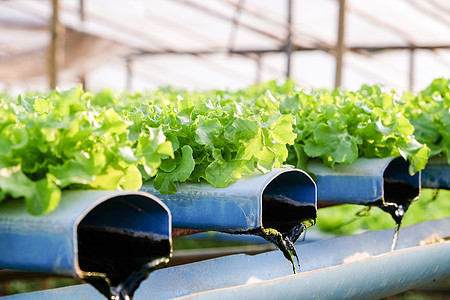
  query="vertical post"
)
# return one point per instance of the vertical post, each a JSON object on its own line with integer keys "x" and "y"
{"x": 340, "y": 44}
{"x": 411, "y": 69}
{"x": 82, "y": 79}
{"x": 289, "y": 39}
{"x": 258, "y": 69}
{"x": 53, "y": 54}
{"x": 235, "y": 26}
{"x": 82, "y": 14}
{"x": 129, "y": 73}
{"x": 56, "y": 51}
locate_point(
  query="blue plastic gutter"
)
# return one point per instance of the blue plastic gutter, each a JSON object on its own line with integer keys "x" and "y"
{"x": 357, "y": 266}
{"x": 362, "y": 182}
{"x": 57, "y": 242}
{"x": 239, "y": 207}
{"x": 436, "y": 174}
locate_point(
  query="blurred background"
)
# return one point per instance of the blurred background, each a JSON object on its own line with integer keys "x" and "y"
{"x": 223, "y": 44}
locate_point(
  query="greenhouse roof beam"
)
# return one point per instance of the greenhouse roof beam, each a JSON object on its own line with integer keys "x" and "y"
{"x": 224, "y": 17}
{"x": 355, "y": 49}
{"x": 439, "y": 6}
{"x": 427, "y": 11}
{"x": 275, "y": 22}
{"x": 381, "y": 23}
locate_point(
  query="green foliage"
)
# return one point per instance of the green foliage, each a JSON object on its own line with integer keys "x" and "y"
{"x": 74, "y": 139}
{"x": 429, "y": 112}
{"x": 340, "y": 126}
{"x": 215, "y": 140}
{"x": 63, "y": 141}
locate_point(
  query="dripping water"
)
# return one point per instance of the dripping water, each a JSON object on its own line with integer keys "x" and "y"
{"x": 116, "y": 261}
{"x": 395, "y": 238}
{"x": 398, "y": 196}
{"x": 284, "y": 242}
{"x": 284, "y": 220}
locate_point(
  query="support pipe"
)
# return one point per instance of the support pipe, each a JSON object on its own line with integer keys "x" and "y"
{"x": 99, "y": 236}
{"x": 371, "y": 278}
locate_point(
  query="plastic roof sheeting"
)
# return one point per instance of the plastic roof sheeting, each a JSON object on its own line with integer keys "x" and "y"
{"x": 188, "y": 43}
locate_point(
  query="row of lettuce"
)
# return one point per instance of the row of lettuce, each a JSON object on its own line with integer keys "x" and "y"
{"x": 80, "y": 140}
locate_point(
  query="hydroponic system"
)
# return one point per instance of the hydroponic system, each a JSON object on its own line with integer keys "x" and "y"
{"x": 182, "y": 149}
{"x": 257, "y": 161}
